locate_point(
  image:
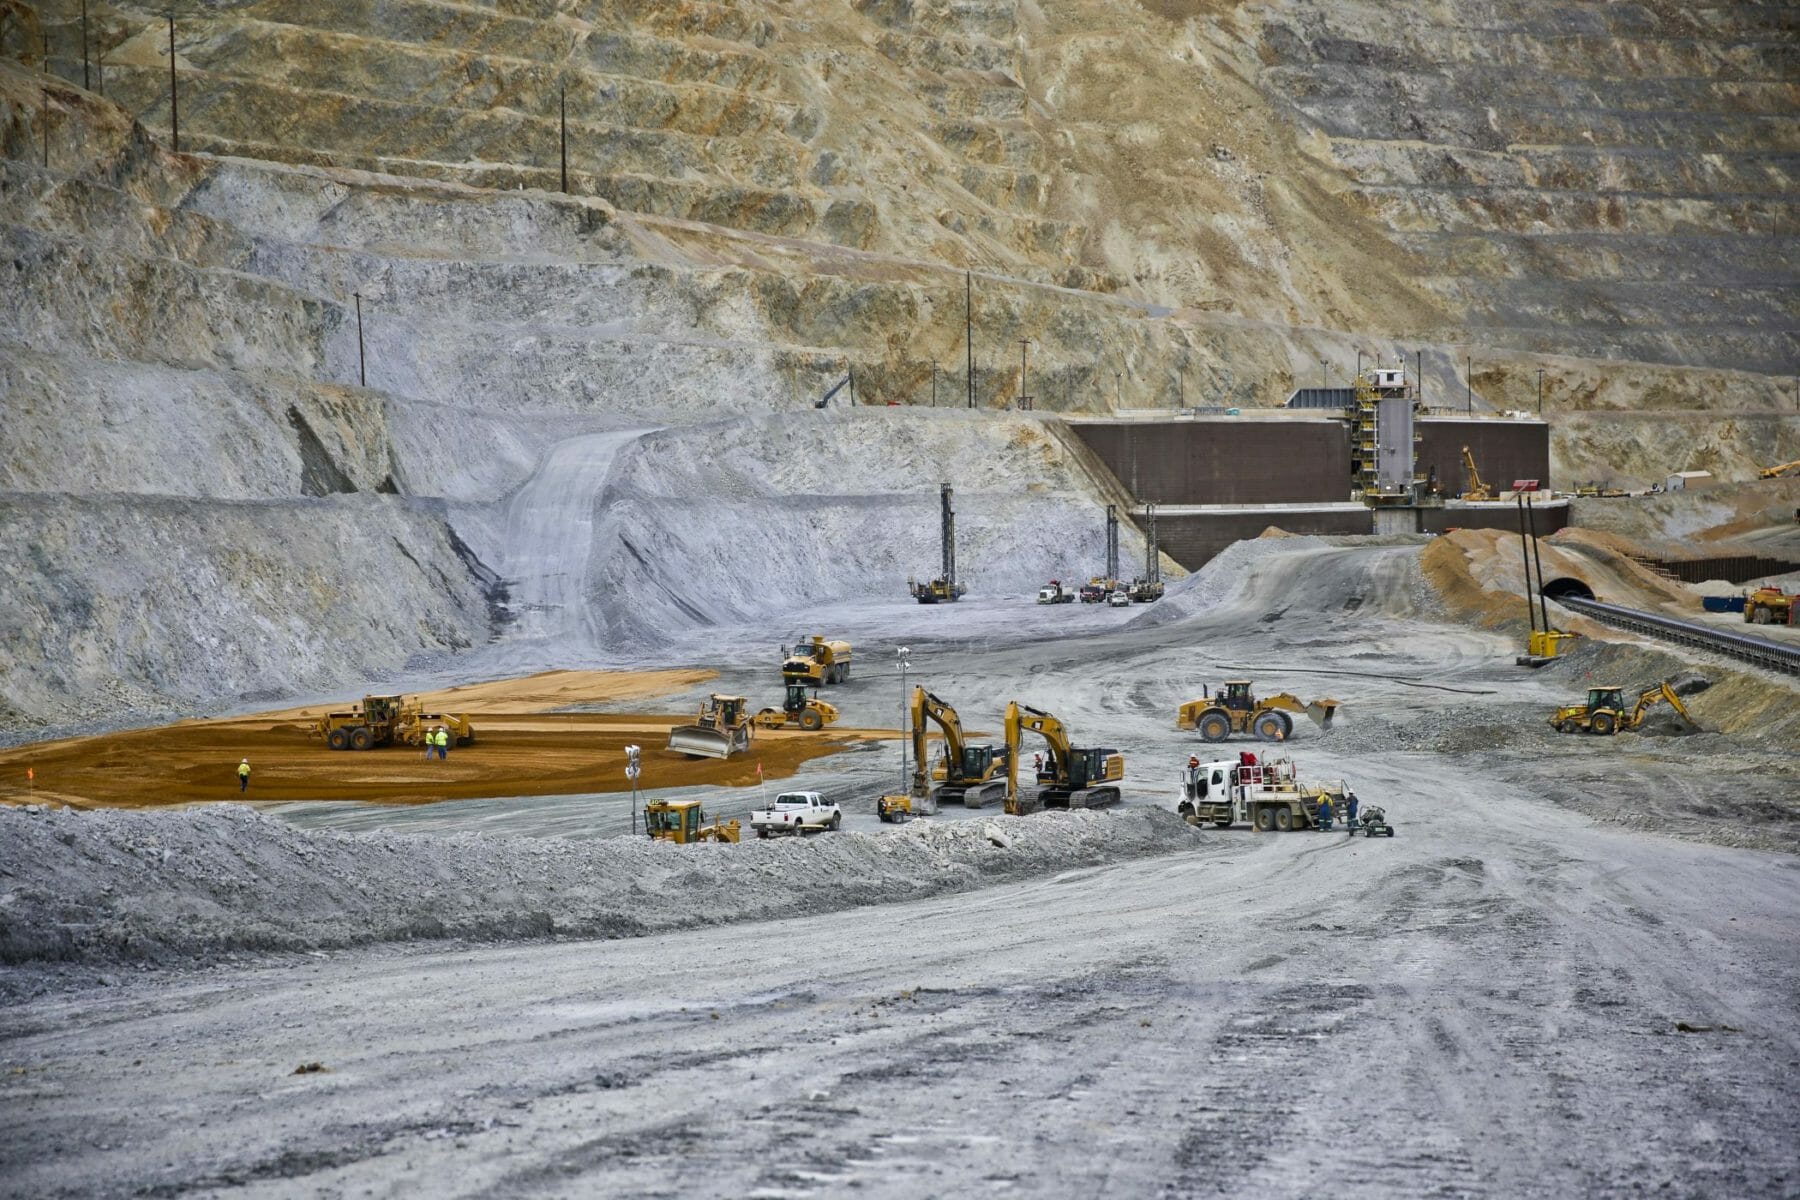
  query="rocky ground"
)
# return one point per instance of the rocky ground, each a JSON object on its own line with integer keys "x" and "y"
{"x": 1549, "y": 944}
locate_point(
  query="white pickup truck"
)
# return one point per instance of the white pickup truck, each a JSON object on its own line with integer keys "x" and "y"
{"x": 795, "y": 813}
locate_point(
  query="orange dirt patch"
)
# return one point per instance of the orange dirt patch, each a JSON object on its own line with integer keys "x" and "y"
{"x": 527, "y": 751}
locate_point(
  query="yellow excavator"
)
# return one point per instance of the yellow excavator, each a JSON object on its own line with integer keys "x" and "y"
{"x": 1478, "y": 490}
{"x": 1235, "y": 709}
{"x": 1605, "y": 711}
{"x": 968, "y": 775}
{"x": 1779, "y": 470}
{"x": 1071, "y": 778}
{"x": 683, "y": 822}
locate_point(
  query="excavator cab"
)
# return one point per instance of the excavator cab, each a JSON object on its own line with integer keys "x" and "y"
{"x": 982, "y": 762}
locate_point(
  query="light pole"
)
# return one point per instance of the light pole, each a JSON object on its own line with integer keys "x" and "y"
{"x": 1024, "y": 401}
{"x": 1540, "y": 391}
{"x": 1324, "y": 376}
{"x": 934, "y": 371}
{"x": 632, "y": 771}
{"x": 905, "y": 709}
{"x": 1115, "y": 391}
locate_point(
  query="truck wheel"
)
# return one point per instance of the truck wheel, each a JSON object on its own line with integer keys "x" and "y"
{"x": 810, "y": 719}
{"x": 1268, "y": 727}
{"x": 1287, "y": 726}
{"x": 762, "y": 833}
{"x": 1603, "y": 723}
{"x": 338, "y": 739}
{"x": 845, "y": 676}
{"x": 361, "y": 738}
{"x": 1223, "y": 822}
{"x": 1760, "y": 616}
{"x": 1284, "y": 819}
{"x": 1265, "y": 819}
{"x": 837, "y": 819}
{"x": 1184, "y": 809}
{"x": 1215, "y": 726}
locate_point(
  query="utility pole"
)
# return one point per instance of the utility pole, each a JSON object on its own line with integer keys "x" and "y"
{"x": 1324, "y": 376}
{"x": 1024, "y": 399}
{"x": 362, "y": 374}
{"x": 1359, "y": 358}
{"x": 633, "y": 768}
{"x": 1540, "y": 391}
{"x": 174, "y": 110}
{"x": 1469, "y": 383}
{"x": 934, "y": 371}
{"x": 44, "y": 120}
{"x": 1115, "y": 391}
{"x": 84, "y": 46}
{"x": 562, "y": 101}
{"x": 969, "y": 332}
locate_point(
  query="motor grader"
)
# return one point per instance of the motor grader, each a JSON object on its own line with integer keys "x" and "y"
{"x": 1605, "y": 711}
{"x": 1234, "y": 708}
{"x": 384, "y": 720}
{"x": 683, "y": 822}
{"x": 720, "y": 730}
{"x": 799, "y": 711}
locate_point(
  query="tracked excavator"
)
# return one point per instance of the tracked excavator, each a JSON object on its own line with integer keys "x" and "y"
{"x": 969, "y": 775}
{"x": 1235, "y": 709}
{"x": 1605, "y": 711}
{"x": 720, "y": 730}
{"x": 1072, "y": 778}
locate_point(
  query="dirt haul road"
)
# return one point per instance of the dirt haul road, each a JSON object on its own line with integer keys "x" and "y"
{"x": 1509, "y": 998}
{"x": 1479, "y": 1007}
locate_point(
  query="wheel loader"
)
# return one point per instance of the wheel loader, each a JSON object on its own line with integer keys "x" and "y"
{"x": 1235, "y": 709}
{"x": 816, "y": 662}
{"x": 798, "y": 711}
{"x": 720, "y": 730}
{"x": 384, "y": 720}
{"x": 1605, "y": 711}
{"x": 683, "y": 822}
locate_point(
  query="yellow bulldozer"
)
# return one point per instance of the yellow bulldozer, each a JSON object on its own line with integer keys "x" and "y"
{"x": 1070, "y": 778}
{"x": 1605, "y": 711}
{"x": 720, "y": 730}
{"x": 684, "y": 822}
{"x": 1234, "y": 708}
{"x": 384, "y": 720}
{"x": 798, "y": 710}
{"x": 816, "y": 662}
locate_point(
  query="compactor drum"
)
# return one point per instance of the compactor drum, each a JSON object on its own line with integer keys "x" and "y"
{"x": 720, "y": 730}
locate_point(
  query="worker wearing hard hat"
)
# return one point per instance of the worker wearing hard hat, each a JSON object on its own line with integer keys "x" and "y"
{"x": 244, "y": 775}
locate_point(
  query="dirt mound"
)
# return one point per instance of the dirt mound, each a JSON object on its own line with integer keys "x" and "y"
{"x": 160, "y": 887}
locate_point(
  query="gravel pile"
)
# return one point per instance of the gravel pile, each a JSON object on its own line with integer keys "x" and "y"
{"x": 111, "y": 886}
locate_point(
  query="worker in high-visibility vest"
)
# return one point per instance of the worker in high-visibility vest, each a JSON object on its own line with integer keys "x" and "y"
{"x": 244, "y": 775}
{"x": 443, "y": 742}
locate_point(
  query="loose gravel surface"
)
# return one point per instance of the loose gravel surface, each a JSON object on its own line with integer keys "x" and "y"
{"x": 1556, "y": 980}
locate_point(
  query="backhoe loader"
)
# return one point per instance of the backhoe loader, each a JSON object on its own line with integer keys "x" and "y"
{"x": 682, "y": 822}
{"x": 970, "y": 775}
{"x": 721, "y": 729}
{"x": 1235, "y": 709}
{"x": 798, "y": 710}
{"x": 1605, "y": 710}
{"x": 1071, "y": 778}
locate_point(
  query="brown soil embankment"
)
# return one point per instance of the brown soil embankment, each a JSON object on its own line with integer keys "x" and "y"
{"x": 520, "y": 750}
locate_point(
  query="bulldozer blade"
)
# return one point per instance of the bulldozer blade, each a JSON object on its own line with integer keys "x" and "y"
{"x": 700, "y": 742}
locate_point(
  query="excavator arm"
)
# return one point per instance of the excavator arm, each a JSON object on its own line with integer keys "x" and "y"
{"x": 1651, "y": 697}
{"x": 927, "y": 707}
{"x": 1021, "y": 719}
{"x": 1780, "y": 469}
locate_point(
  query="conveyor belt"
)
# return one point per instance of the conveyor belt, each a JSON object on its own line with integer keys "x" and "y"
{"x": 1761, "y": 651}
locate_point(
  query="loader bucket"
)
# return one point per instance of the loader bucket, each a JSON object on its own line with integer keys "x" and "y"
{"x": 698, "y": 741}
{"x": 1321, "y": 711}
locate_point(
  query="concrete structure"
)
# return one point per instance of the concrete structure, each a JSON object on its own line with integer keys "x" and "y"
{"x": 1503, "y": 450}
{"x": 1688, "y": 481}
